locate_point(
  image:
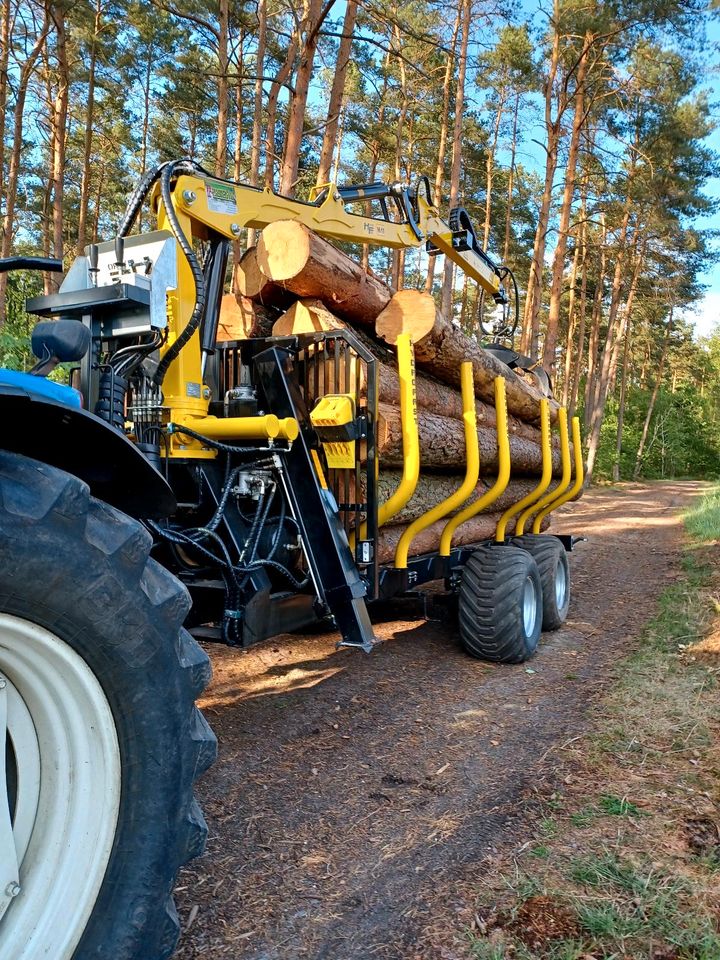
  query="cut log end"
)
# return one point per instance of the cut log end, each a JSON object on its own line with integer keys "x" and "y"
{"x": 283, "y": 249}
{"x": 409, "y": 311}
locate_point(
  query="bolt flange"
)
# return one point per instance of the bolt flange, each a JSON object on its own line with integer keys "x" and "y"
{"x": 12, "y": 889}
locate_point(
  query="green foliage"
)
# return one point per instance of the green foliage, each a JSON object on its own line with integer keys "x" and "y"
{"x": 15, "y": 352}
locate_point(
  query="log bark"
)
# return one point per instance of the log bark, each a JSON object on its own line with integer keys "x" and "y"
{"x": 253, "y": 284}
{"x": 306, "y": 265}
{"x": 476, "y": 530}
{"x": 442, "y": 445}
{"x": 309, "y": 316}
{"x": 440, "y": 348}
{"x": 433, "y": 488}
{"x": 241, "y": 319}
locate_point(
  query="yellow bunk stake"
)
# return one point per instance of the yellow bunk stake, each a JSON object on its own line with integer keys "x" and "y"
{"x": 472, "y": 472}
{"x": 579, "y": 477}
{"x": 564, "y": 479}
{"x": 410, "y": 437}
{"x": 545, "y": 477}
{"x": 502, "y": 478}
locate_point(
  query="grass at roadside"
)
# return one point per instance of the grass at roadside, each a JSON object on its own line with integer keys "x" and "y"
{"x": 625, "y": 862}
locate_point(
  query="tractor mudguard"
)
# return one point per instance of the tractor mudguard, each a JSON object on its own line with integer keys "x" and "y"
{"x": 71, "y": 439}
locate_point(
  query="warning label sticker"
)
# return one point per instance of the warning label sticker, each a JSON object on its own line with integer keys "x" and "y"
{"x": 220, "y": 197}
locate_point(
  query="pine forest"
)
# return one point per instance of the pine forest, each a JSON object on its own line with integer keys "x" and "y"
{"x": 575, "y": 133}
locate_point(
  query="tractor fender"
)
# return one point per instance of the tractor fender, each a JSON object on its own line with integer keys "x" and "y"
{"x": 36, "y": 423}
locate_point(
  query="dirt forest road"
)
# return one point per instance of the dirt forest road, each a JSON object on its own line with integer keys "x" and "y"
{"x": 356, "y": 797}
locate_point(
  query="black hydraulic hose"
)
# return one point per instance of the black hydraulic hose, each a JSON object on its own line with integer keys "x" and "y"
{"x": 137, "y": 199}
{"x": 197, "y": 272}
{"x": 266, "y": 509}
{"x": 274, "y": 565}
{"x": 278, "y": 532}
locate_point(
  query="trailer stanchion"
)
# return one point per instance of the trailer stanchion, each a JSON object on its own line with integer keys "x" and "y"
{"x": 503, "y": 476}
{"x": 564, "y": 479}
{"x": 410, "y": 439}
{"x": 545, "y": 477}
{"x": 579, "y": 478}
{"x": 472, "y": 472}
{"x": 549, "y": 551}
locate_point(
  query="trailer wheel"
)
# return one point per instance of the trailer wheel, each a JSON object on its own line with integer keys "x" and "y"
{"x": 100, "y": 740}
{"x": 500, "y": 605}
{"x": 552, "y": 561}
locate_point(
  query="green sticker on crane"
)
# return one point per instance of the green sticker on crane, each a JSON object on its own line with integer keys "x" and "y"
{"x": 221, "y": 197}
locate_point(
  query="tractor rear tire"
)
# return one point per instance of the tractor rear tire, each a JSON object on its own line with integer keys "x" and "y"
{"x": 500, "y": 605}
{"x": 552, "y": 561}
{"x": 100, "y": 739}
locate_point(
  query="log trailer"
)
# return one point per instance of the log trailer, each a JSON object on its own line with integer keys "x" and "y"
{"x": 179, "y": 489}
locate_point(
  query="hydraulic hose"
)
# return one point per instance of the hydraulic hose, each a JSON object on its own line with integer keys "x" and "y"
{"x": 198, "y": 276}
{"x": 137, "y": 199}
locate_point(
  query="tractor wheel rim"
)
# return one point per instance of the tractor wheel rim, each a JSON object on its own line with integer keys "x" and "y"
{"x": 529, "y": 606}
{"x": 60, "y": 778}
{"x": 560, "y": 586}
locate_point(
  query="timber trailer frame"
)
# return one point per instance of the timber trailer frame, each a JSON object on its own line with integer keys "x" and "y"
{"x": 251, "y": 471}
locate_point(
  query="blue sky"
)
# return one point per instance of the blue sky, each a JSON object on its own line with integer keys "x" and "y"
{"x": 706, "y": 315}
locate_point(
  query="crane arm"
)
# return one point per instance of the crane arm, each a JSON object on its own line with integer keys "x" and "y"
{"x": 227, "y": 207}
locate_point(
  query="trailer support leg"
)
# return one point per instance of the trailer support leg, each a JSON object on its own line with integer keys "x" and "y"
{"x": 332, "y": 566}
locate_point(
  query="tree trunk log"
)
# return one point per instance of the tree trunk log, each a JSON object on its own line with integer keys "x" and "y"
{"x": 440, "y": 348}
{"x": 442, "y": 445}
{"x": 476, "y": 530}
{"x": 433, "y": 488}
{"x": 310, "y": 316}
{"x": 252, "y": 283}
{"x": 241, "y": 319}
{"x": 301, "y": 262}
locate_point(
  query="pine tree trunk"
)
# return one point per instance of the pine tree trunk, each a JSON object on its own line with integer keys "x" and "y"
{"x": 88, "y": 139}
{"x": 281, "y": 78}
{"x": 5, "y": 15}
{"x": 558, "y": 266}
{"x": 511, "y": 180}
{"x": 571, "y": 323}
{"x": 615, "y": 331}
{"x": 456, "y": 163}
{"x": 595, "y": 319}
{"x": 489, "y": 170}
{"x": 60, "y": 113}
{"x": 398, "y": 258}
{"x": 8, "y": 225}
{"x": 306, "y": 265}
{"x": 257, "y": 127}
{"x": 621, "y": 407}
{"x": 442, "y": 140}
{"x": 653, "y": 399}
{"x": 223, "y": 90}
{"x": 312, "y": 22}
{"x": 337, "y": 92}
{"x": 578, "y": 357}
{"x": 531, "y": 317}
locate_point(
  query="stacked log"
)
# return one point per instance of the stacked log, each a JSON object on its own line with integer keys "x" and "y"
{"x": 305, "y": 284}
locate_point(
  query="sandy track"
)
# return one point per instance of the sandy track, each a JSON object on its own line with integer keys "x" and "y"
{"x": 356, "y": 795}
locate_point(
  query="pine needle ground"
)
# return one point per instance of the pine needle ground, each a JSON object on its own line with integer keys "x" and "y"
{"x": 625, "y": 864}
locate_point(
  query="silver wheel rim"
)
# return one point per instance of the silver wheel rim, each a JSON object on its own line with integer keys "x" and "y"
{"x": 63, "y": 791}
{"x": 529, "y": 606}
{"x": 560, "y": 586}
